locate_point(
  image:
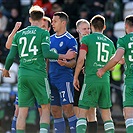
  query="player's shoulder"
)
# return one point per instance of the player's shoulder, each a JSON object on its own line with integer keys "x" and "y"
{"x": 52, "y": 36}
{"x": 108, "y": 39}
{"x": 123, "y": 38}
{"x": 30, "y": 29}
{"x": 66, "y": 36}
{"x": 69, "y": 35}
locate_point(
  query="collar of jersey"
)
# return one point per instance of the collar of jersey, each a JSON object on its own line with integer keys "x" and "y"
{"x": 61, "y": 35}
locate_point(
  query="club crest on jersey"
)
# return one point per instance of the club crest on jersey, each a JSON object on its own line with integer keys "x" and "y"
{"x": 61, "y": 44}
{"x": 47, "y": 38}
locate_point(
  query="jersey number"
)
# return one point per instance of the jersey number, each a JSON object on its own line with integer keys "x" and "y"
{"x": 130, "y": 46}
{"x": 23, "y": 40}
{"x": 102, "y": 49}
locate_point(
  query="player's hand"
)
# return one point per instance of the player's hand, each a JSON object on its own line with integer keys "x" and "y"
{"x": 17, "y": 25}
{"x": 122, "y": 61}
{"x": 76, "y": 84}
{"x": 62, "y": 62}
{"x": 5, "y": 73}
{"x": 70, "y": 54}
{"x": 100, "y": 72}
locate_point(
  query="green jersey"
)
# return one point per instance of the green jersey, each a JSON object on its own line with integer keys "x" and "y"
{"x": 32, "y": 44}
{"x": 126, "y": 43}
{"x": 100, "y": 50}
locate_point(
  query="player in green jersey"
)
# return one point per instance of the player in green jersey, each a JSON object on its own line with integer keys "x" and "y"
{"x": 98, "y": 49}
{"x": 83, "y": 28}
{"x": 125, "y": 47}
{"x": 47, "y": 26}
{"x": 32, "y": 44}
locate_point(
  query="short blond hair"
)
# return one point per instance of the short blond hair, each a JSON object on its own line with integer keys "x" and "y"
{"x": 36, "y": 13}
{"x": 81, "y": 21}
{"x": 36, "y": 8}
{"x": 47, "y": 18}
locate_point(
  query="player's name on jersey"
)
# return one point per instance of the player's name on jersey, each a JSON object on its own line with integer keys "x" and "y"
{"x": 29, "y": 32}
{"x": 101, "y": 38}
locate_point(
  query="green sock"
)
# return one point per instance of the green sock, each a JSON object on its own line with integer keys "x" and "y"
{"x": 81, "y": 125}
{"x": 129, "y": 129}
{"x": 109, "y": 126}
{"x": 129, "y": 125}
{"x": 44, "y": 127}
{"x": 20, "y": 131}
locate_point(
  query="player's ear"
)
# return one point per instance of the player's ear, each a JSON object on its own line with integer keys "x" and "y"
{"x": 104, "y": 27}
{"x": 30, "y": 19}
{"x": 77, "y": 30}
{"x": 64, "y": 22}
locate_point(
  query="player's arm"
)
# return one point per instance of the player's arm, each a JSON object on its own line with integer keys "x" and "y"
{"x": 52, "y": 55}
{"x": 119, "y": 54}
{"x": 79, "y": 66}
{"x": 69, "y": 64}
{"x": 9, "y": 61}
{"x": 10, "y": 37}
{"x": 122, "y": 61}
{"x": 111, "y": 69}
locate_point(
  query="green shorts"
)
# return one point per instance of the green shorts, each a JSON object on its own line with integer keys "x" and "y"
{"x": 31, "y": 88}
{"x": 128, "y": 95}
{"x": 95, "y": 94}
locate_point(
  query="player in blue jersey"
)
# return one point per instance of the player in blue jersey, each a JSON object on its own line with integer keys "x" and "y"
{"x": 61, "y": 75}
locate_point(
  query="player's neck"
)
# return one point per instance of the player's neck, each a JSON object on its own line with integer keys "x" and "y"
{"x": 60, "y": 32}
{"x": 130, "y": 30}
{"x": 80, "y": 38}
{"x": 36, "y": 23}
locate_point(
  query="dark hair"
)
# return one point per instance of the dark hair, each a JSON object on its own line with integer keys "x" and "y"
{"x": 36, "y": 15}
{"x": 63, "y": 16}
{"x": 98, "y": 21}
{"x": 129, "y": 20}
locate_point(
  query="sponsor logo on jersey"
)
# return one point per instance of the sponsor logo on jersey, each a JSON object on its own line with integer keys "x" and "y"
{"x": 72, "y": 128}
{"x": 47, "y": 38}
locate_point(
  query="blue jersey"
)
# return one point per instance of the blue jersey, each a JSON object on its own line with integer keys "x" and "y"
{"x": 61, "y": 44}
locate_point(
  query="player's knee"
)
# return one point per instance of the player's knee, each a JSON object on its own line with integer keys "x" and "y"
{"x": 68, "y": 110}
{"x": 56, "y": 113}
{"x": 127, "y": 115}
{"x": 91, "y": 117}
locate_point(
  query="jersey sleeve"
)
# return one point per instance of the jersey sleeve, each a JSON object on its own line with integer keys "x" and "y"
{"x": 84, "y": 44}
{"x": 46, "y": 47}
{"x": 84, "y": 47}
{"x": 11, "y": 55}
{"x": 120, "y": 43}
{"x": 73, "y": 45}
{"x": 45, "y": 38}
